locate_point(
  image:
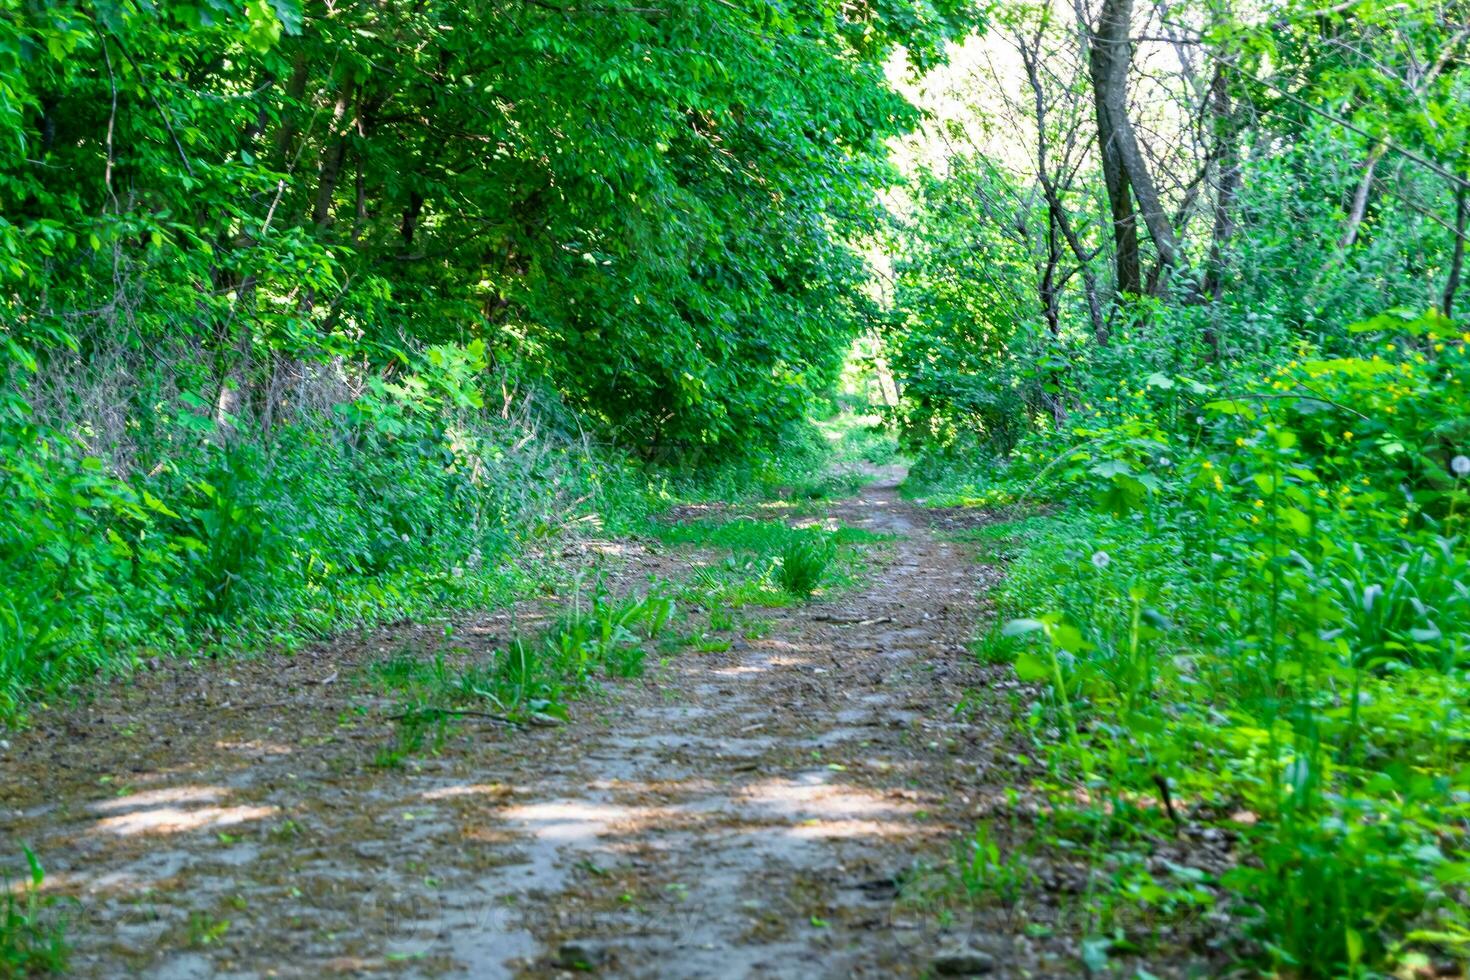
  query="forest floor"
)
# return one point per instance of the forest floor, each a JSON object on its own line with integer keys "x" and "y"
{"x": 749, "y": 812}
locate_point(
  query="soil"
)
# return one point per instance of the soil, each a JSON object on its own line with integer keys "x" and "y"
{"x": 744, "y": 813}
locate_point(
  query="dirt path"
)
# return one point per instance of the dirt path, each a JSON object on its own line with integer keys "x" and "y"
{"x": 744, "y": 813}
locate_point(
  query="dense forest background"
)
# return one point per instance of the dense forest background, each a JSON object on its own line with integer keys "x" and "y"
{"x": 367, "y": 290}
{"x": 317, "y": 314}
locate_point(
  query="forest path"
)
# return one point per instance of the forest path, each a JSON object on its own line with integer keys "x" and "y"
{"x": 743, "y": 813}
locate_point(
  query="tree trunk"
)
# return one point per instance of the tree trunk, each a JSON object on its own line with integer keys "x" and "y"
{"x": 1061, "y": 220}
{"x": 1360, "y": 199}
{"x": 1101, "y": 64}
{"x": 332, "y": 158}
{"x": 1457, "y": 261}
{"x": 1110, "y": 55}
{"x": 1227, "y": 156}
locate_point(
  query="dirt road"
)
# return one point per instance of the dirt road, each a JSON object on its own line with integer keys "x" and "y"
{"x": 743, "y": 813}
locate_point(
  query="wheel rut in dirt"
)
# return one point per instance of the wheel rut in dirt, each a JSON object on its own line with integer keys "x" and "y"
{"x": 740, "y": 813}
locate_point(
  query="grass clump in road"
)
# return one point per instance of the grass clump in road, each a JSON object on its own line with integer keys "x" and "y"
{"x": 533, "y": 678}
{"x": 772, "y": 563}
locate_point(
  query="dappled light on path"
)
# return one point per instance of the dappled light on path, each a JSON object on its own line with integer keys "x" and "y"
{"x": 745, "y": 809}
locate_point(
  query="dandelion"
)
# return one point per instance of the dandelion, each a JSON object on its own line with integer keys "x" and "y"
{"x": 1460, "y": 465}
{"x": 1100, "y": 559}
{"x": 1348, "y": 436}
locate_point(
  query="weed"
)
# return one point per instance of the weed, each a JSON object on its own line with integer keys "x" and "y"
{"x": 985, "y": 872}
{"x": 804, "y": 563}
{"x": 1238, "y": 624}
{"x": 204, "y": 930}
{"x": 32, "y": 928}
{"x": 531, "y": 679}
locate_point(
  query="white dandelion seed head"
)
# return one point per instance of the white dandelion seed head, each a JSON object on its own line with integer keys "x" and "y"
{"x": 1100, "y": 559}
{"x": 1461, "y": 465}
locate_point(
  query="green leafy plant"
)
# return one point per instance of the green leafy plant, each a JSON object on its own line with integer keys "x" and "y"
{"x": 804, "y": 562}
{"x": 32, "y": 926}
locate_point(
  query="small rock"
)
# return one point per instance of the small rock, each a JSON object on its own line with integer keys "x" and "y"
{"x": 580, "y": 955}
{"x": 963, "y": 961}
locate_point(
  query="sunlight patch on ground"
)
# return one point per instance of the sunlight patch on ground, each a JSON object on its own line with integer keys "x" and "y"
{"x": 811, "y": 795}
{"x": 577, "y": 820}
{"x": 173, "y": 820}
{"x": 478, "y": 789}
{"x": 159, "y": 797}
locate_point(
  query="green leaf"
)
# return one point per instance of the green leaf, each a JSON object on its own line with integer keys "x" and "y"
{"x": 1031, "y": 668}
{"x": 1020, "y": 627}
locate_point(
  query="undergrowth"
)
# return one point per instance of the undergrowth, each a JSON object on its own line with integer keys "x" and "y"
{"x": 1250, "y": 616}
{"x": 529, "y": 681}
{"x": 407, "y": 501}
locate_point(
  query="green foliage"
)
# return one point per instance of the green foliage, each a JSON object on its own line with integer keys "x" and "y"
{"x": 988, "y": 872}
{"x": 1259, "y": 601}
{"x": 333, "y": 521}
{"x": 312, "y": 315}
{"x": 804, "y": 563}
{"x": 651, "y": 210}
{"x": 32, "y": 930}
{"x": 532, "y": 679}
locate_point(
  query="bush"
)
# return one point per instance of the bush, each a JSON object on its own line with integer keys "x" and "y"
{"x": 390, "y": 505}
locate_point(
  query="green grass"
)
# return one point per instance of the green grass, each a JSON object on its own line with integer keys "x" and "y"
{"x": 771, "y": 563}
{"x": 32, "y": 925}
{"x": 1343, "y": 775}
{"x": 804, "y": 564}
{"x": 744, "y": 535}
{"x": 532, "y": 679}
{"x": 860, "y": 437}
